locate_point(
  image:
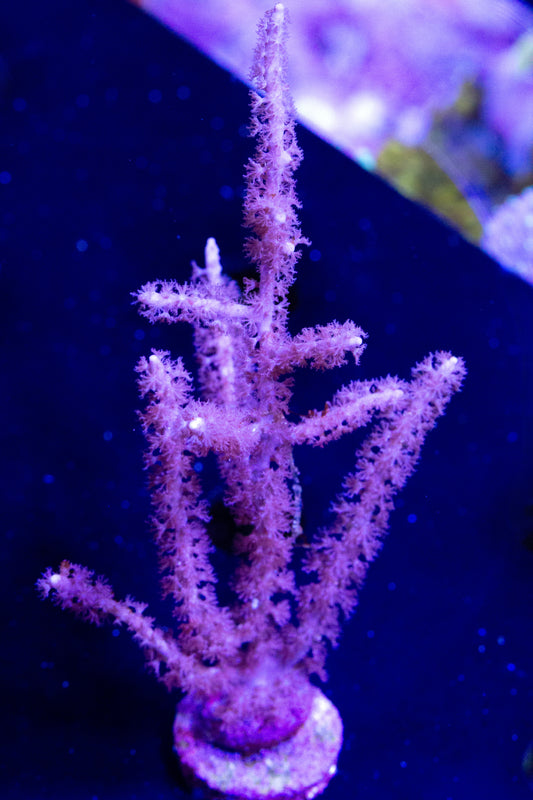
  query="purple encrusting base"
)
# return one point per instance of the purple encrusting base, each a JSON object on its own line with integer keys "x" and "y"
{"x": 298, "y": 768}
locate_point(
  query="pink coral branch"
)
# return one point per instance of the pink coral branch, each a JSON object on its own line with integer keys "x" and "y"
{"x": 340, "y": 557}
{"x": 168, "y": 301}
{"x": 77, "y": 589}
{"x": 263, "y": 581}
{"x": 222, "y": 346}
{"x": 352, "y": 407}
{"x": 321, "y": 347}
{"x": 269, "y": 207}
{"x": 180, "y": 513}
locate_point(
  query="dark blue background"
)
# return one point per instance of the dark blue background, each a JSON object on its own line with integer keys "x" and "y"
{"x": 124, "y": 150}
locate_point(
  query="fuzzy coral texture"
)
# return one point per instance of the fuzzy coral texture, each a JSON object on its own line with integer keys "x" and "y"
{"x": 249, "y": 663}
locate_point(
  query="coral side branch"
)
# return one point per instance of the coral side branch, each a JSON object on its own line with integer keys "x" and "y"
{"x": 351, "y": 408}
{"x": 223, "y": 346}
{"x": 167, "y": 301}
{"x": 181, "y": 514}
{"x": 321, "y": 347}
{"x": 340, "y": 557}
{"x": 77, "y": 589}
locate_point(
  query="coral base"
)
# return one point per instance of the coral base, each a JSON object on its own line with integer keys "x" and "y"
{"x": 298, "y": 768}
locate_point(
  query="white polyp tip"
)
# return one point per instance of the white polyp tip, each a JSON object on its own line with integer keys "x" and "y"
{"x": 255, "y": 603}
{"x": 154, "y": 364}
{"x": 279, "y": 11}
{"x": 196, "y": 423}
{"x": 55, "y": 579}
{"x": 355, "y": 340}
{"x": 450, "y": 363}
{"x": 211, "y": 248}
{"x": 281, "y": 216}
{"x": 286, "y": 157}
{"x": 289, "y": 247}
